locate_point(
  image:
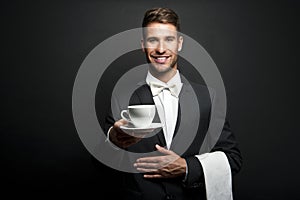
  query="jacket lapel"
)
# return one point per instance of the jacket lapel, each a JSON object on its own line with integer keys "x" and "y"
{"x": 146, "y": 98}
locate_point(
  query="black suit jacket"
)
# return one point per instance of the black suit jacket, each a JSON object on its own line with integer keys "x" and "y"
{"x": 134, "y": 186}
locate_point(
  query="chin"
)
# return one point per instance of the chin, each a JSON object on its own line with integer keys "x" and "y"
{"x": 160, "y": 68}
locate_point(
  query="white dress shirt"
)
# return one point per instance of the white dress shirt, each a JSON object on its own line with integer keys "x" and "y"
{"x": 167, "y": 105}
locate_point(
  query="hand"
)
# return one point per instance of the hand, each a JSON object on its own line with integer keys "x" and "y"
{"x": 119, "y": 138}
{"x": 169, "y": 165}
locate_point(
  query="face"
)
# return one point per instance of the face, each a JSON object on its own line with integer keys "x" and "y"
{"x": 161, "y": 44}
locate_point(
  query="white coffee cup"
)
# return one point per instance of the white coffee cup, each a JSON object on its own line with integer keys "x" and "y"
{"x": 141, "y": 116}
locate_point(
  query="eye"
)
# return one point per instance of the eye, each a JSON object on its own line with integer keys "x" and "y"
{"x": 151, "y": 40}
{"x": 170, "y": 39}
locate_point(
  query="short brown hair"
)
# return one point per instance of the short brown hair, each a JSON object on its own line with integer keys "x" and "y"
{"x": 161, "y": 15}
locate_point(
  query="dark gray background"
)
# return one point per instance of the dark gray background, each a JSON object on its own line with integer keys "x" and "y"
{"x": 253, "y": 43}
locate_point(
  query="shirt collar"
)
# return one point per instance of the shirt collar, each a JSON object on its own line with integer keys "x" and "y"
{"x": 175, "y": 80}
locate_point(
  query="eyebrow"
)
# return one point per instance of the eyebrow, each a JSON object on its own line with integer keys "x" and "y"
{"x": 156, "y": 38}
{"x": 171, "y": 37}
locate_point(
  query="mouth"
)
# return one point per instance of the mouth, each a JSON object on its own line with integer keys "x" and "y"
{"x": 160, "y": 59}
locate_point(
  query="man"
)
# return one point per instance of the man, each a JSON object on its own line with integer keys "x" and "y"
{"x": 168, "y": 175}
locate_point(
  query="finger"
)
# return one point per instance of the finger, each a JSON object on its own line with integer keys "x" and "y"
{"x": 123, "y": 121}
{"x": 139, "y": 135}
{"x": 155, "y": 159}
{"x": 145, "y": 170}
{"x": 163, "y": 150}
{"x": 123, "y": 135}
{"x": 119, "y": 123}
{"x": 147, "y": 165}
{"x": 153, "y": 176}
{"x": 130, "y": 141}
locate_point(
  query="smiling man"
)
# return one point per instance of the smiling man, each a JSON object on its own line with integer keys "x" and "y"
{"x": 161, "y": 44}
{"x": 170, "y": 175}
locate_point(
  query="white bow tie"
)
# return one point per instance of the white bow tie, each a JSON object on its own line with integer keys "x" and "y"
{"x": 156, "y": 88}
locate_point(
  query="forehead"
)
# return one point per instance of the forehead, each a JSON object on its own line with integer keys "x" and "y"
{"x": 156, "y": 29}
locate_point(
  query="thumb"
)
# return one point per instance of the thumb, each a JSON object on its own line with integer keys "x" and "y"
{"x": 163, "y": 150}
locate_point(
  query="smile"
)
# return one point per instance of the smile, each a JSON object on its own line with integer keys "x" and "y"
{"x": 160, "y": 59}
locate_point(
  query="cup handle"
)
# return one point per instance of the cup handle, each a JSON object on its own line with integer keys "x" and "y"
{"x": 125, "y": 117}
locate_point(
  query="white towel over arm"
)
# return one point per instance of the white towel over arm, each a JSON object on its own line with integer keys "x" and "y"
{"x": 217, "y": 175}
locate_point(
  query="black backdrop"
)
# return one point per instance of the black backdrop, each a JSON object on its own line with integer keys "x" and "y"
{"x": 253, "y": 43}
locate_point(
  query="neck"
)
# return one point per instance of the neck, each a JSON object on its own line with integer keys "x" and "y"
{"x": 163, "y": 76}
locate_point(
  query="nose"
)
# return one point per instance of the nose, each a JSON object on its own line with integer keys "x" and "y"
{"x": 160, "y": 48}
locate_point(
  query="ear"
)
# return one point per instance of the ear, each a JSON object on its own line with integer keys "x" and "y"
{"x": 142, "y": 45}
{"x": 180, "y": 42}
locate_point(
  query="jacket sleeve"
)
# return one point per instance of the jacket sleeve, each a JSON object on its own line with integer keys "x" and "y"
{"x": 227, "y": 144}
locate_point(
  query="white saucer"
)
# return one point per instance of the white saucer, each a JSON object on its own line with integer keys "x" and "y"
{"x": 134, "y": 131}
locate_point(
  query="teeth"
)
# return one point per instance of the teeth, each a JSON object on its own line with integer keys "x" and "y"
{"x": 161, "y": 58}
